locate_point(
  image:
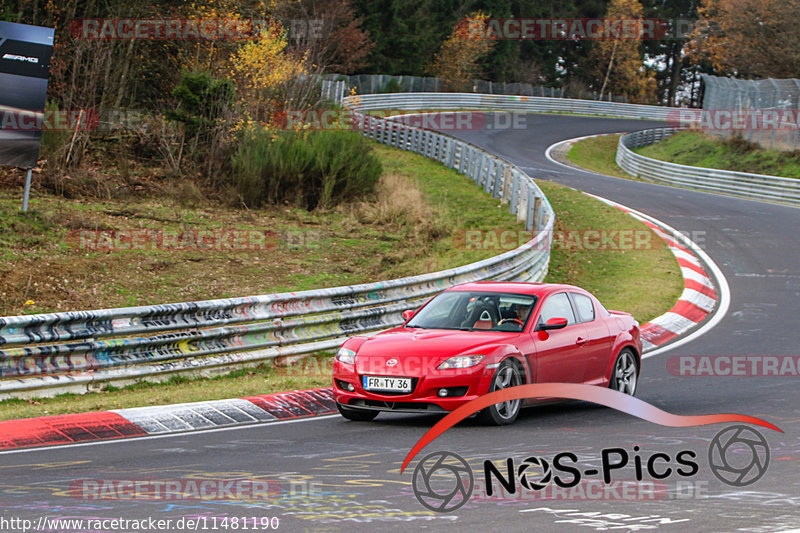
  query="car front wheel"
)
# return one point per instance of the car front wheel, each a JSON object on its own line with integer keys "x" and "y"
{"x": 503, "y": 413}
{"x": 625, "y": 374}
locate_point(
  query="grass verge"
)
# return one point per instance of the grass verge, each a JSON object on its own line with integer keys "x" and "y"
{"x": 598, "y": 154}
{"x": 701, "y": 150}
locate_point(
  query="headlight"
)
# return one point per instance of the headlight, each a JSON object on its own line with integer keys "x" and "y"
{"x": 461, "y": 361}
{"x": 346, "y": 355}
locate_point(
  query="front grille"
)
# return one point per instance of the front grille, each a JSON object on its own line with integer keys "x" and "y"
{"x": 397, "y": 406}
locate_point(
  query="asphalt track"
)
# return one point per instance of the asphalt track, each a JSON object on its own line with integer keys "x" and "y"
{"x": 336, "y": 475}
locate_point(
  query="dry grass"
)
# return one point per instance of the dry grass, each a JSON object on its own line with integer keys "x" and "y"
{"x": 399, "y": 202}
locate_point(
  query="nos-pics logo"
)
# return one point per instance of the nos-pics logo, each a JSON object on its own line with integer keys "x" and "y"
{"x": 444, "y": 481}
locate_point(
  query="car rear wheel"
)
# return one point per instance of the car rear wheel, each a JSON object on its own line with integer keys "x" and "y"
{"x": 357, "y": 415}
{"x": 625, "y": 374}
{"x": 503, "y": 413}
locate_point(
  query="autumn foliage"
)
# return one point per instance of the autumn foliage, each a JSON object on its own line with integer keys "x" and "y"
{"x": 619, "y": 62}
{"x": 457, "y": 62}
{"x": 748, "y": 38}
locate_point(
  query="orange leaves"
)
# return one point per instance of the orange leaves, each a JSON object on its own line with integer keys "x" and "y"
{"x": 263, "y": 62}
{"x": 620, "y": 64}
{"x": 457, "y": 60}
{"x": 749, "y": 38}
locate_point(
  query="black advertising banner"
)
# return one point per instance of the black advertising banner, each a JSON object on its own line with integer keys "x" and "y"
{"x": 25, "y": 53}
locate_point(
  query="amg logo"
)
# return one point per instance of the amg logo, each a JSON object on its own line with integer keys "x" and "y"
{"x": 21, "y": 58}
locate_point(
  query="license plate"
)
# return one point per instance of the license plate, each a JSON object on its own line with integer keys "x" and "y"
{"x": 382, "y": 383}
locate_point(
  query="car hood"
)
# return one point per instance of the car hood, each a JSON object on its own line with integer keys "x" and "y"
{"x": 425, "y": 347}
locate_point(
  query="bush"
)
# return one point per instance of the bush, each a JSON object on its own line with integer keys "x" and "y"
{"x": 202, "y": 101}
{"x": 304, "y": 169}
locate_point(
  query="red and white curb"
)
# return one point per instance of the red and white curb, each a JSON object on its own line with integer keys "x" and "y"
{"x": 700, "y": 296}
{"x": 157, "y": 420}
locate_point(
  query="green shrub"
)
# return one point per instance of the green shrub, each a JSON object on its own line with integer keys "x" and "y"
{"x": 303, "y": 169}
{"x": 202, "y": 100}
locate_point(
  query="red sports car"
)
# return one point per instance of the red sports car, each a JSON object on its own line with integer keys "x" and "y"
{"x": 480, "y": 337}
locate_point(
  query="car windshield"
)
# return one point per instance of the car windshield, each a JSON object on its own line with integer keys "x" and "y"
{"x": 471, "y": 311}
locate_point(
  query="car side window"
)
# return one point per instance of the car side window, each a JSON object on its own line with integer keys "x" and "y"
{"x": 557, "y": 305}
{"x": 584, "y": 306}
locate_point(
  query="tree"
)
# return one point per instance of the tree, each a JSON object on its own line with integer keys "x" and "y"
{"x": 676, "y": 71}
{"x": 748, "y": 38}
{"x": 263, "y": 67}
{"x": 457, "y": 62}
{"x": 329, "y": 32}
{"x": 407, "y": 33}
{"x": 619, "y": 61}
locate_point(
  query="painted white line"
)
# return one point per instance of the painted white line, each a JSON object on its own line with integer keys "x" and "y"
{"x": 126, "y": 440}
{"x": 723, "y": 290}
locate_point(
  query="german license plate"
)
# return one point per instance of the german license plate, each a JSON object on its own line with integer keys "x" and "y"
{"x": 388, "y": 384}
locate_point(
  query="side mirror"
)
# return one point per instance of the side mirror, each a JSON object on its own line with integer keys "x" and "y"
{"x": 553, "y": 323}
{"x": 408, "y": 313}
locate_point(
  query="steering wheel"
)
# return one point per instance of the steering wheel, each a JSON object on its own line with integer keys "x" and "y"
{"x": 518, "y": 321}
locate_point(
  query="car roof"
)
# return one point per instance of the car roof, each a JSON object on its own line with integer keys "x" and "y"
{"x": 534, "y": 289}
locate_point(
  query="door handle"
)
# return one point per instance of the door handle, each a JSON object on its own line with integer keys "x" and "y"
{"x": 581, "y": 341}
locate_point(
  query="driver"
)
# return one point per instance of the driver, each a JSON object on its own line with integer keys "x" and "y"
{"x": 521, "y": 313}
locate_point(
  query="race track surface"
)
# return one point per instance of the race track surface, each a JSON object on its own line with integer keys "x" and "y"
{"x": 327, "y": 474}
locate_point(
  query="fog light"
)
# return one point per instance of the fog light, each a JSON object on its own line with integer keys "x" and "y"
{"x": 442, "y": 393}
{"x": 344, "y": 385}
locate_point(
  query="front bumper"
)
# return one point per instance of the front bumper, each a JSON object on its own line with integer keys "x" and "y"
{"x": 424, "y": 398}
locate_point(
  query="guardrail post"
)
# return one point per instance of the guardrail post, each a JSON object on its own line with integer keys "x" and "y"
{"x": 530, "y": 216}
{"x": 487, "y": 172}
{"x": 474, "y": 165}
{"x": 497, "y": 189}
{"x": 450, "y": 157}
{"x": 514, "y": 202}
{"x": 522, "y": 208}
{"x": 540, "y": 213}
{"x": 463, "y": 161}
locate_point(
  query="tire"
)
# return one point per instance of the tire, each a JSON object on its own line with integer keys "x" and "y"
{"x": 357, "y": 415}
{"x": 507, "y": 375}
{"x": 625, "y": 373}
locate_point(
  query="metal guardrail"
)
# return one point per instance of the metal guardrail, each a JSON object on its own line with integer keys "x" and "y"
{"x": 75, "y": 351}
{"x": 740, "y": 184}
{"x": 527, "y": 104}
{"x": 379, "y": 83}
